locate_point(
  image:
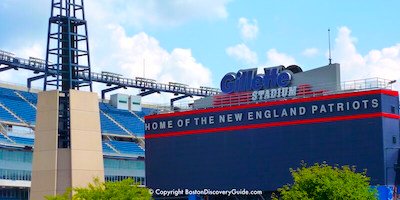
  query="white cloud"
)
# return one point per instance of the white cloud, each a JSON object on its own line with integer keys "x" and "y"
{"x": 243, "y": 53}
{"x": 310, "y": 52}
{"x": 383, "y": 63}
{"x": 248, "y": 30}
{"x": 157, "y": 12}
{"x": 114, "y": 50}
{"x": 275, "y": 58}
{"x": 127, "y": 55}
{"x": 36, "y": 50}
{"x": 19, "y": 77}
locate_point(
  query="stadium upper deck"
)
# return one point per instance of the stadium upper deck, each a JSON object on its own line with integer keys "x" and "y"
{"x": 122, "y": 132}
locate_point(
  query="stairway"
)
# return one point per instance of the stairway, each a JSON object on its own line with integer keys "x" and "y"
{"x": 133, "y": 113}
{"x": 112, "y": 147}
{"x": 3, "y": 131}
{"x": 118, "y": 124}
{"x": 22, "y": 97}
{"x": 140, "y": 140}
{"x": 13, "y": 114}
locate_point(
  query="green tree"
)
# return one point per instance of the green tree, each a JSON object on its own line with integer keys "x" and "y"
{"x": 126, "y": 189}
{"x": 323, "y": 182}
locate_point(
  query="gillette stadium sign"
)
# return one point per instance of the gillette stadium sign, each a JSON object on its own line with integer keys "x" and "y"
{"x": 274, "y": 83}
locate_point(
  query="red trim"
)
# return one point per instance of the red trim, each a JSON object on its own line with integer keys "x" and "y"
{"x": 272, "y": 124}
{"x": 273, "y": 103}
{"x": 390, "y": 115}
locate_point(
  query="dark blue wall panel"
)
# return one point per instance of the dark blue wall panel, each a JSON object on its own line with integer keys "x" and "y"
{"x": 260, "y": 158}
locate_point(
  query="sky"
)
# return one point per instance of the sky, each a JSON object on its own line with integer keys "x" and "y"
{"x": 198, "y": 42}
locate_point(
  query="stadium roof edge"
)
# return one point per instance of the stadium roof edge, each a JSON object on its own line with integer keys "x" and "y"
{"x": 15, "y": 86}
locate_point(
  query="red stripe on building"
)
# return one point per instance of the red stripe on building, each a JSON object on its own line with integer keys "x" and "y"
{"x": 273, "y": 124}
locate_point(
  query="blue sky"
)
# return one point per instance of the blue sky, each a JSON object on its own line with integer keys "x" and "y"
{"x": 197, "y": 42}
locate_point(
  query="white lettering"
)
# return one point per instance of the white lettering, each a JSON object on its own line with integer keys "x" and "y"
{"x": 375, "y": 103}
{"x": 222, "y": 119}
{"x": 254, "y": 96}
{"x": 302, "y": 110}
{"x": 147, "y": 126}
{"x": 211, "y": 119}
{"x": 187, "y": 121}
{"x": 163, "y": 125}
{"x": 179, "y": 123}
{"x": 238, "y": 117}
{"x": 250, "y": 116}
{"x": 314, "y": 108}
{"x": 229, "y": 118}
{"x": 356, "y": 105}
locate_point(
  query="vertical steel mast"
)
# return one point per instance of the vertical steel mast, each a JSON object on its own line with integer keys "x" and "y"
{"x": 67, "y": 58}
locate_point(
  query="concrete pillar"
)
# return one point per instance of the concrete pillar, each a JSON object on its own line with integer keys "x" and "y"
{"x": 55, "y": 169}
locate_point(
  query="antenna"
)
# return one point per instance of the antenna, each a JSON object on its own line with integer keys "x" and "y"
{"x": 329, "y": 42}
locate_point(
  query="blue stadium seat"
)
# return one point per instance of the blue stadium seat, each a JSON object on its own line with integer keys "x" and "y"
{"x": 130, "y": 148}
{"x": 108, "y": 126}
{"x": 23, "y": 141}
{"x": 107, "y": 149}
{"x": 6, "y": 116}
{"x": 125, "y": 118}
{"x": 127, "y": 148}
{"x": 19, "y": 106}
{"x": 3, "y": 139}
{"x": 147, "y": 111}
{"x": 25, "y": 111}
{"x": 31, "y": 97}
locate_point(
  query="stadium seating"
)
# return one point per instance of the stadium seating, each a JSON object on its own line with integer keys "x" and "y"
{"x": 127, "y": 148}
{"x": 23, "y": 140}
{"x": 25, "y": 111}
{"x": 19, "y": 106}
{"x": 120, "y": 158}
{"x": 147, "y": 111}
{"x": 6, "y": 116}
{"x": 107, "y": 126}
{"x": 31, "y": 97}
{"x": 107, "y": 149}
{"x": 125, "y": 118}
{"x": 3, "y": 139}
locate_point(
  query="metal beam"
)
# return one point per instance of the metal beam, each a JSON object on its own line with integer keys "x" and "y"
{"x": 148, "y": 85}
{"x": 147, "y": 93}
{"x": 29, "y": 80}
{"x": 5, "y": 68}
{"x": 178, "y": 98}
{"x": 103, "y": 92}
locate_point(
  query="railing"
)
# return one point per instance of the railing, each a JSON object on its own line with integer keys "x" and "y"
{"x": 302, "y": 92}
{"x": 166, "y": 107}
{"x": 37, "y": 65}
{"x": 350, "y": 86}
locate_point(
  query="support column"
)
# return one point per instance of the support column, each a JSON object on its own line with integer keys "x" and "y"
{"x": 44, "y": 163}
{"x": 56, "y": 169}
{"x": 86, "y": 149}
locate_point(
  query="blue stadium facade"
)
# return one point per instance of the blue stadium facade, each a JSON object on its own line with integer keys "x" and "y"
{"x": 260, "y": 143}
{"x": 121, "y": 129}
{"x": 252, "y": 145}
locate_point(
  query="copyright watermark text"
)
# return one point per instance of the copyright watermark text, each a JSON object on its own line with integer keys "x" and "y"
{"x": 179, "y": 192}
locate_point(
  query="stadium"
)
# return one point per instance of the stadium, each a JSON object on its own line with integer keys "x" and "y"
{"x": 244, "y": 136}
{"x": 258, "y": 135}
